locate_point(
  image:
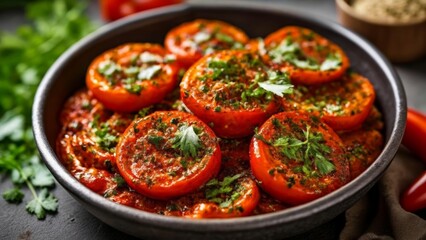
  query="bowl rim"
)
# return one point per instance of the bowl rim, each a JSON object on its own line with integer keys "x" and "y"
{"x": 345, "y": 7}
{"x": 218, "y": 225}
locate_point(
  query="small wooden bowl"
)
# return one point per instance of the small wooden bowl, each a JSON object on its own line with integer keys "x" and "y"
{"x": 400, "y": 41}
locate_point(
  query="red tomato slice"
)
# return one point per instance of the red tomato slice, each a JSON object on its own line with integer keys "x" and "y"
{"x": 374, "y": 120}
{"x": 132, "y": 76}
{"x": 217, "y": 88}
{"x": 82, "y": 106}
{"x": 298, "y": 158}
{"x": 115, "y": 9}
{"x": 343, "y": 105}
{"x": 363, "y": 147}
{"x": 192, "y": 40}
{"x": 246, "y": 196}
{"x": 308, "y": 57}
{"x": 90, "y": 132}
{"x": 168, "y": 154}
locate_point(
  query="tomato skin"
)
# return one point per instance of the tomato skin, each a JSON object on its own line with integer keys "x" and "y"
{"x": 307, "y": 76}
{"x": 134, "y": 148}
{"x": 247, "y": 202}
{"x": 189, "y": 55}
{"x": 228, "y": 122}
{"x": 262, "y": 160}
{"x": 116, "y": 97}
{"x": 114, "y": 9}
{"x": 354, "y": 96}
{"x": 363, "y": 147}
{"x": 415, "y": 133}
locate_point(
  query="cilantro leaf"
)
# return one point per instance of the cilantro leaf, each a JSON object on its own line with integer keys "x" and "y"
{"x": 333, "y": 61}
{"x": 41, "y": 176}
{"x": 13, "y": 195}
{"x": 277, "y": 89}
{"x": 149, "y": 72}
{"x": 223, "y": 192}
{"x": 56, "y": 25}
{"x": 187, "y": 141}
{"x": 311, "y": 150}
{"x": 44, "y": 202}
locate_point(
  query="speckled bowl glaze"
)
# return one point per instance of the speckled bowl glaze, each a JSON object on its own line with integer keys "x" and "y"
{"x": 67, "y": 75}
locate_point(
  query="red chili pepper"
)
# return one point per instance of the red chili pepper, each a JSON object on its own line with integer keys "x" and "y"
{"x": 415, "y": 134}
{"x": 414, "y": 198}
{"x": 115, "y": 9}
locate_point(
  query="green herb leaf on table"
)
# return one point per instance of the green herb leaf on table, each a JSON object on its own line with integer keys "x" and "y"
{"x": 56, "y": 25}
{"x": 13, "y": 195}
{"x": 44, "y": 202}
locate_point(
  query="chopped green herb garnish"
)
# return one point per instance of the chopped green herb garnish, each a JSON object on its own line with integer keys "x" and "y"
{"x": 119, "y": 180}
{"x": 333, "y": 61}
{"x": 289, "y": 51}
{"x": 108, "y": 68}
{"x": 278, "y": 83}
{"x": 201, "y": 37}
{"x": 224, "y": 38}
{"x": 103, "y": 134}
{"x": 149, "y": 72}
{"x": 187, "y": 141}
{"x": 155, "y": 140}
{"x": 311, "y": 150}
{"x": 225, "y": 192}
{"x": 147, "y": 57}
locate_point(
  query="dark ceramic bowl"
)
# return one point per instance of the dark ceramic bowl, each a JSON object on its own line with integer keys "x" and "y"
{"x": 68, "y": 73}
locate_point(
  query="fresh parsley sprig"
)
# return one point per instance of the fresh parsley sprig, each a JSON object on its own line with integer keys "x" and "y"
{"x": 290, "y": 51}
{"x": 187, "y": 141}
{"x": 275, "y": 82}
{"x": 223, "y": 192}
{"x": 25, "y": 57}
{"x": 312, "y": 151}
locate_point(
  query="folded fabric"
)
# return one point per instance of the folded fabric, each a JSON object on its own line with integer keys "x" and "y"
{"x": 378, "y": 215}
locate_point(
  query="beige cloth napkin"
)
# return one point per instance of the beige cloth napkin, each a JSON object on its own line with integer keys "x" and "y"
{"x": 379, "y": 215}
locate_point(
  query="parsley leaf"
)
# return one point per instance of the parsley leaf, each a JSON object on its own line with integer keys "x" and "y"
{"x": 333, "y": 61}
{"x": 13, "y": 195}
{"x": 225, "y": 192}
{"x": 104, "y": 137}
{"x": 56, "y": 26}
{"x": 290, "y": 51}
{"x": 149, "y": 72}
{"x": 187, "y": 141}
{"x": 278, "y": 83}
{"x": 44, "y": 202}
{"x": 311, "y": 151}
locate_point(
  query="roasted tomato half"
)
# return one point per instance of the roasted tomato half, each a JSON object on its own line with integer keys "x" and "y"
{"x": 343, "y": 105}
{"x": 192, "y": 40}
{"x": 363, "y": 147}
{"x": 168, "y": 154}
{"x": 298, "y": 158}
{"x": 132, "y": 76}
{"x": 308, "y": 57}
{"x": 233, "y": 91}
